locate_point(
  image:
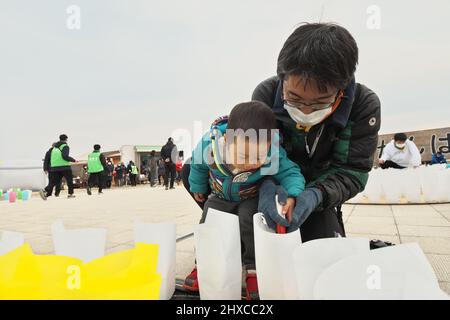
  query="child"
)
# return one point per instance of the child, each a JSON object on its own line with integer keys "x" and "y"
{"x": 233, "y": 162}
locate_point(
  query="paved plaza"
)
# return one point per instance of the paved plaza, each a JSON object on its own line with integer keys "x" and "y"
{"x": 428, "y": 225}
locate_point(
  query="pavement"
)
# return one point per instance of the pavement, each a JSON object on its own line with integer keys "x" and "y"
{"x": 115, "y": 209}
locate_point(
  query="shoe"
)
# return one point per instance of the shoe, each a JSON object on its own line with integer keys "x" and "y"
{"x": 70, "y": 196}
{"x": 43, "y": 194}
{"x": 167, "y": 188}
{"x": 377, "y": 244}
{"x": 89, "y": 192}
{"x": 191, "y": 281}
{"x": 100, "y": 192}
{"x": 251, "y": 286}
{"x": 172, "y": 187}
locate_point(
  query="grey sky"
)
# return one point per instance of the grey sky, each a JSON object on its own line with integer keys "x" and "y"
{"x": 138, "y": 70}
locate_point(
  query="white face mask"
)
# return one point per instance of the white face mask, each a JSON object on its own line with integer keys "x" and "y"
{"x": 308, "y": 120}
{"x": 400, "y": 146}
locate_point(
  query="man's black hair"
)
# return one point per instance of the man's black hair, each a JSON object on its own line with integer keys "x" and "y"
{"x": 400, "y": 137}
{"x": 63, "y": 137}
{"x": 323, "y": 52}
{"x": 252, "y": 115}
{"x": 97, "y": 147}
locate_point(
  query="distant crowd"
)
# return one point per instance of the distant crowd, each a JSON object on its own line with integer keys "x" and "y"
{"x": 163, "y": 169}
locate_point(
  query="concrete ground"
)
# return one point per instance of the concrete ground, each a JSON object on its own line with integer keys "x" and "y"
{"x": 428, "y": 225}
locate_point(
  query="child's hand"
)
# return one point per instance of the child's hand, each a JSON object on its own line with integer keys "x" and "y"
{"x": 199, "y": 197}
{"x": 288, "y": 208}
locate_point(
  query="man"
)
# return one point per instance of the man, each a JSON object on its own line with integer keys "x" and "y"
{"x": 329, "y": 126}
{"x": 161, "y": 171}
{"x": 400, "y": 153}
{"x": 60, "y": 166}
{"x": 133, "y": 172}
{"x": 178, "y": 168}
{"x": 152, "y": 168}
{"x": 120, "y": 172}
{"x": 85, "y": 177}
{"x": 169, "y": 154}
{"x": 96, "y": 168}
{"x": 50, "y": 174}
{"x": 109, "y": 168}
{"x": 438, "y": 158}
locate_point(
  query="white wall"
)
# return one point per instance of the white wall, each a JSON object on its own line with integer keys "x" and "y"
{"x": 128, "y": 152}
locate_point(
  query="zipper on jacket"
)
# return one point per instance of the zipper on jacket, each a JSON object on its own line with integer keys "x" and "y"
{"x": 229, "y": 186}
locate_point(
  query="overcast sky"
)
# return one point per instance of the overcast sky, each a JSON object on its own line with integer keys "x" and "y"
{"x": 138, "y": 70}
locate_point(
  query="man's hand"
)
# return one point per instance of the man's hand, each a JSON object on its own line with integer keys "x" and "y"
{"x": 307, "y": 202}
{"x": 381, "y": 161}
{"x": 268, "y": 206}
{"x": 46, "y": 172}
{"x": 199, "y": 197}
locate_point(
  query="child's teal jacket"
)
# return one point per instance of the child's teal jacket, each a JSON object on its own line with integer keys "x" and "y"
{"x": 205, "y": 172}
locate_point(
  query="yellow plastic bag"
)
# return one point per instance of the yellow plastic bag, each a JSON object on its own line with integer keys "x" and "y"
{"x": 129, "y": 274}
{"x": 19, "y": 275}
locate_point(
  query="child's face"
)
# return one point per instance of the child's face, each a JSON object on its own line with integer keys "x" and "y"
{"x": 246, "y": 155}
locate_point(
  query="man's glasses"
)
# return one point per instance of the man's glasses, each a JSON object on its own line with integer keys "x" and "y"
{"x": 315, "y": 106}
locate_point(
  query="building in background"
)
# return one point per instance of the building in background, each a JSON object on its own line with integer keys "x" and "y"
{"x": 139, "y": 154}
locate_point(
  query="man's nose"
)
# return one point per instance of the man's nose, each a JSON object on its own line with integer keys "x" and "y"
{"x": 307, "y": 109}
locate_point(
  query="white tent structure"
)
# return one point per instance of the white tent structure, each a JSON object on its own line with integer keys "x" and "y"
{"x": 25, "y": 176}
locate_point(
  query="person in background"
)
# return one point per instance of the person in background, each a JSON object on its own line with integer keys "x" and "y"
{"x": 133, "y": 172}
{"x": 114, "y": 175}
{"x": 143, "y": 170}
{"x": 50, "y": 174}
{"x": 108, "y": 173}
{"x": 161, "y": 171}
{"x": 85, "y": 177}
{"x": 60, "y": 161}
{"x": 169, "y": 154}
{"x": 96, "y": 168}
{"x": 178, "y": 167}
{"x": 152, "y": 169}
{"x": 120, "y": 174}
{"x": 438, "y": 158}
{"x": 400, "y": 153}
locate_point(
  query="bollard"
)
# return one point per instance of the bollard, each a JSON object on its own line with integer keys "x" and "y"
{"x": 12, "y": 197}
{"x": 25, "y": 195}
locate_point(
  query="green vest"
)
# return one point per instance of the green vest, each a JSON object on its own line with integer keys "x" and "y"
{"x": 134, "y": 170}
{"x": 94, "y": 163}
{"x": 56, "y": 159}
